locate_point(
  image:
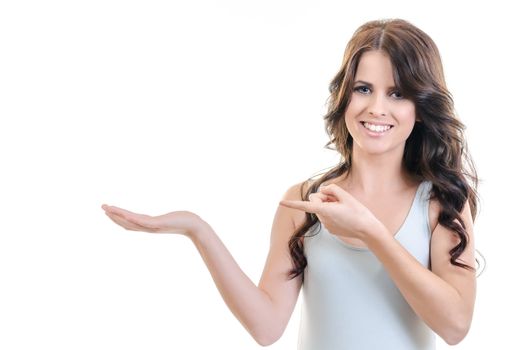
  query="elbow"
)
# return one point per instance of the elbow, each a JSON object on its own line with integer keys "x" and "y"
{"x": 453, "y": 339}
{"x": 456, "y": 334}
{"x": 265, "y": 342}
{"x": 267, "y": 338}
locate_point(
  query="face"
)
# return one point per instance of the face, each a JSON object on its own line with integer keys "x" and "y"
{"x": 378, "y": 117}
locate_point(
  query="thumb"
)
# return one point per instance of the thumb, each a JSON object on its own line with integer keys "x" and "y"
{"x": 334, "y": 190}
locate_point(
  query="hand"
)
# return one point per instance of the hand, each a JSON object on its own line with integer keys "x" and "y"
{"x": 339, "y": 212}
{"x": 182, "y": 222}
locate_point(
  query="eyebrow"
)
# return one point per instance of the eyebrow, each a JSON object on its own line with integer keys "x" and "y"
{"x": 369, "y": 84}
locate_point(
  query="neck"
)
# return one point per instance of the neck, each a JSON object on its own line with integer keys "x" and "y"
{"x": 378, "y": 173}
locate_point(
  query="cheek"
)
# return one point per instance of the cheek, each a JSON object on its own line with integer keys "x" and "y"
{"x": 406, "y": 113}
{"x": 354, "y": 108}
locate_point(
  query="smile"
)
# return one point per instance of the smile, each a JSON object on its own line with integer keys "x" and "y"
{"x": 377, "y": 128}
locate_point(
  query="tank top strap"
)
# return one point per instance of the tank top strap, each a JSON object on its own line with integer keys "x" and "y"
{"x": 424, "y": 197}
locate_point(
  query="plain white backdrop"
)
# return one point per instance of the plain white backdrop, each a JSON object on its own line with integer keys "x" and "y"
{"x": 214, "y": 107}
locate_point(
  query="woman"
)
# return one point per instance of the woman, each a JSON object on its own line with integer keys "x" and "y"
{"x": 382, "y": 245}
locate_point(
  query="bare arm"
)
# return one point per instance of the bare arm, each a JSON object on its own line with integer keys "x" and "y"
{"x": 444, "y": 297}
{"x": 263, "y": 310}
{"x": 251, "y": 305}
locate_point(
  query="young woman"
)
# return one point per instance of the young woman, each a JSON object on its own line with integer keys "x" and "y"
{"x": 382, "y": 245}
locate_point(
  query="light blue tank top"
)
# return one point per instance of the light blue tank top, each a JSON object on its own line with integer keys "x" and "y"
{"x": 349, "y": 300}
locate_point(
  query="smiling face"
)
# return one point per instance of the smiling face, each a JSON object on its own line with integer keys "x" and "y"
{"x": 379, "y": 119}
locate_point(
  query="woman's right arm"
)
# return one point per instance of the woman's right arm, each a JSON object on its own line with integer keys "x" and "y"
{"x": 264, "y": 310}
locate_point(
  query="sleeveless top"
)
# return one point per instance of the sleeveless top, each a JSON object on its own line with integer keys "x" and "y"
{"x": 350, "y": 301}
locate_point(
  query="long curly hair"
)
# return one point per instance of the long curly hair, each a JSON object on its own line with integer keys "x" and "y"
{"x": 435, "y": 150}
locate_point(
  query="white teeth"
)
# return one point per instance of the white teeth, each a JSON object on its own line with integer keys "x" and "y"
{"x": 376, "y": 128}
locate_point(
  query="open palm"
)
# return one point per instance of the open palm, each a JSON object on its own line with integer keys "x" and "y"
{"x": 182, "y": 222}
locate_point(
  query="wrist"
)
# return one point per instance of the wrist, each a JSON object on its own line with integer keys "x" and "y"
{"x": 199, "y": 231}
{"x": 377, "y": 235}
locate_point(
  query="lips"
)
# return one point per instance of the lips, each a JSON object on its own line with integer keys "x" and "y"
{"x": 375, "y": 123}
{"x": 376, "y": 127}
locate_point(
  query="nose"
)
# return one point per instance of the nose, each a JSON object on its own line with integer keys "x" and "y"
{"x": 376, "y": 107}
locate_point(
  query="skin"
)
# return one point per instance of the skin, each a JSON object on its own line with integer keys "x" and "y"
{"x": 379, "y": 104}
{"x": 366, "y": 208}
{"x": 352, "y": 208}
{"x": 377, "y": 170}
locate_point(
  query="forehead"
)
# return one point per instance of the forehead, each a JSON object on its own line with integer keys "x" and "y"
{"x": 375, "y": 67}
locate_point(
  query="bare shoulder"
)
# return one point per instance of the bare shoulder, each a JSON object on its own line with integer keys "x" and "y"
{"x": 295, "y": 191}
{"x": 434, "y": 212}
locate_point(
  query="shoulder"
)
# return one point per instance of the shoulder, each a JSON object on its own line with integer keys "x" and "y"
{"x": 295, "y": 191}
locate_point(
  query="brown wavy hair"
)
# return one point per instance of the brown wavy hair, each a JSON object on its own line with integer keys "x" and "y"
{"x": 435, "y": 150}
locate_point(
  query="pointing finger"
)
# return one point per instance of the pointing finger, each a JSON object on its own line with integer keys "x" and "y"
{"x": 306, "y": 206}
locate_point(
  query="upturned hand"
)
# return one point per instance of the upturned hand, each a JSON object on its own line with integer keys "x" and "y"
{"x": 182, "y": 222}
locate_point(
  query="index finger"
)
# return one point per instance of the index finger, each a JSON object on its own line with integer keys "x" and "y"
{"x": 308, "y": 207}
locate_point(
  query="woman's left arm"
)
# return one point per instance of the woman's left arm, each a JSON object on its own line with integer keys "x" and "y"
{"x": 443, "y": 297}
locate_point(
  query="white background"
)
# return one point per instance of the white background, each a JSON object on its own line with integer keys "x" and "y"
{"x": 216, "y": 108}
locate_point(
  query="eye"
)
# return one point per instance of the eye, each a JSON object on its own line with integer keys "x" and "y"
{"x": 365, "y": 90}
{"x": 361, "y": 89}
{"x": 399, "y": 95}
